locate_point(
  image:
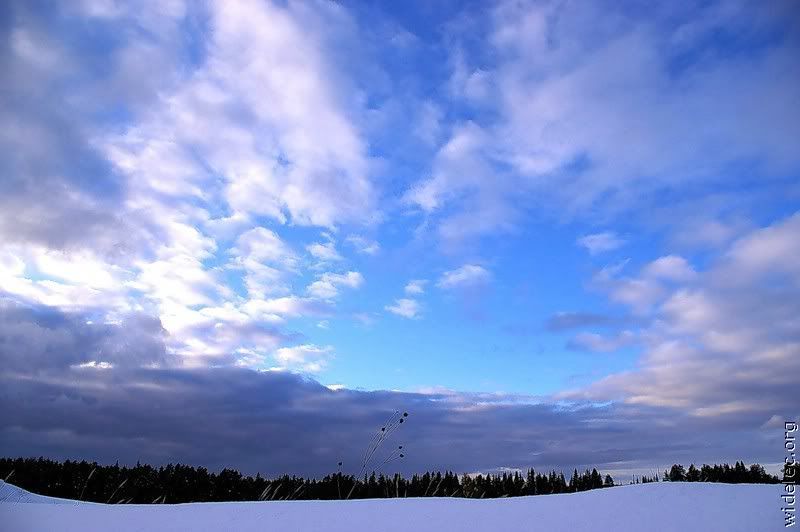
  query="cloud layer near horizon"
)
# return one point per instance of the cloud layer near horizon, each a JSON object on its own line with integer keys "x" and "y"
{"x": 275, "y": 422}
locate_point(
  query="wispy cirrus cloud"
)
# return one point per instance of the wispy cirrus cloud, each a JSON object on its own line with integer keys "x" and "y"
{"x": 364, "y": 245}
{"x": 587, "y": 341}
{"x": 553, "y": 142}
{"x": 601, "y": 242}
{"x": 468, "y": 275}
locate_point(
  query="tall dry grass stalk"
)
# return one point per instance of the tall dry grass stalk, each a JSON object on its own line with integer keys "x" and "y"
{"x": 388, "y": 428}
{"x": 87, "y": 483}
{"x": 116, "y": 490}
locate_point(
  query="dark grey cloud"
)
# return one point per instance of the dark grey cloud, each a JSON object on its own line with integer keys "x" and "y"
{"x": 56, "y": 190}
{"x": 280, "y": 422}
{"x": 59, "y": 95}
{"x": 39, "y": 339}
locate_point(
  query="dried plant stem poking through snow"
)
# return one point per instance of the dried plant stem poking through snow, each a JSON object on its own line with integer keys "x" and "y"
{"x": 86, "y": 483}
{"x": 386, "y": 430}
{"x": 116, "y": 490}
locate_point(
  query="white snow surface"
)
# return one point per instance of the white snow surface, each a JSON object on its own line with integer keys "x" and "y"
{"x": 653, "y": 507}
{"x": 10, "y": 493}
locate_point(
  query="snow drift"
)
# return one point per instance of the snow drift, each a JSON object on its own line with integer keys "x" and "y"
{"x": 10, "y": 493}
{"x": 653, "y": 507}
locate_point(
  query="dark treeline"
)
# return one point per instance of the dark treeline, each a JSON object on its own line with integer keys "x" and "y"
{"x": 736, "y": 474}
{"x": 143, "y": 484}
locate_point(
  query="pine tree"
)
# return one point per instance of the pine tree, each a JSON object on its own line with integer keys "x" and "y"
{"x": 530, "y": 482}
{"x": 677, "y": 473}
{"x": 574, "y": 481}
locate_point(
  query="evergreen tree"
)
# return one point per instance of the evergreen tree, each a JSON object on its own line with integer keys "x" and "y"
{"x": 596, "y": 480}
{"x": 530, "y": 482}
{"x": 574, "y": 482}
{"x": 677, "y": 473}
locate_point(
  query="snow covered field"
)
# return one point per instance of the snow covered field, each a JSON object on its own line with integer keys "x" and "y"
{"x": 650, "y": 507}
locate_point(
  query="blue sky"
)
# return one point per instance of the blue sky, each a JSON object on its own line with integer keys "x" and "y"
{"x": 556, "y": 203}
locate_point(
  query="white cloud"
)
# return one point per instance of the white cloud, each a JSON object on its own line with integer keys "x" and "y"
{"x": 327, "y": 285}
{"x": 286, "y": 82}
{"x": 639, "y": 294}
{"x": 458, "y": 165}
{"x": 11, "y": 265}
{"x": 601, "y": 242}
{"x": 603, "y": 344}
{"x": 407, "y": 308}
{"x": 726, "y": 345}
{"x": 178, "y": 280}
{"x": 771, "y": 248}
{"x": 643, "y": 292}
{"x": 429, "y": 122}
{"x": 461, "y": 170}
{"x": 307, "y": 357}
{"x": 34, "y": 274}
{"x": 265, "y": 259}
{"x": 227, "y": 227}
{"x": 416, "y": 286}
{"x": 93, "y": 364}
{"x": 581, "y": 113}
{"x": 364, "y": 318}
{"x": 706, "y": 232}
{"x": 465, "y": 276}
{"x": 191, "y": 154}
{"x": 290, "y": 161}
{"x": 35, "y": 50}
{"x": 670, "y": 268}
{"x": 77, "y": 268}
{"x": 261, "y": 244}
{"x": 265, "y": 133}
{"x": 364, "y": 245}
{"x": 466, "y": 82}
{"x": 325, "y": 252}
{"x": 288, "y": 306}
{"x": 624, "y": 61}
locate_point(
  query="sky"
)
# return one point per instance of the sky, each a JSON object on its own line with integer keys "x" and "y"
{"x": 241, "y": 234}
